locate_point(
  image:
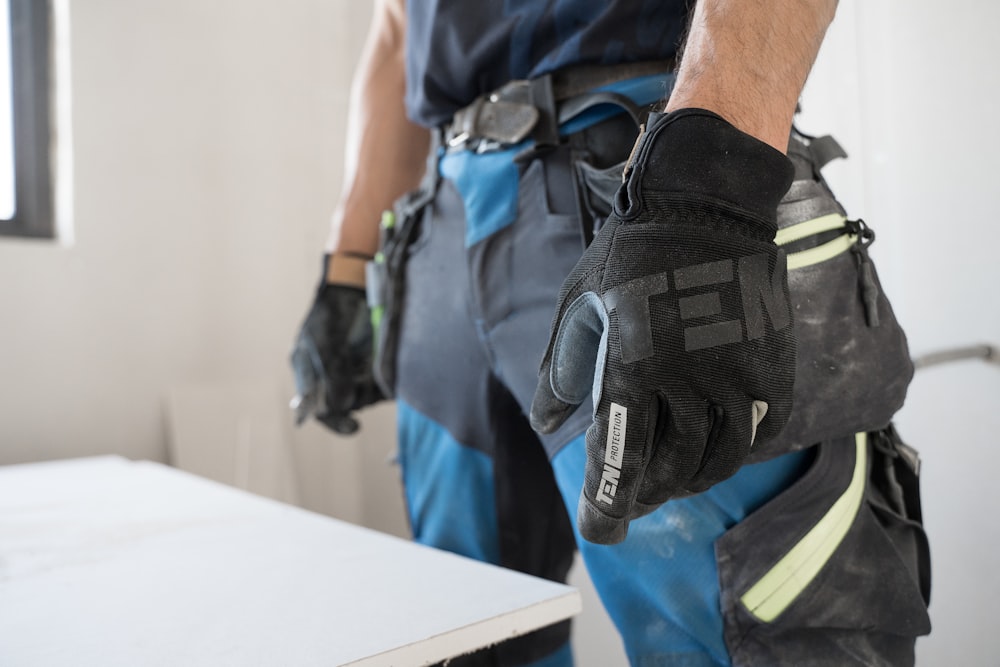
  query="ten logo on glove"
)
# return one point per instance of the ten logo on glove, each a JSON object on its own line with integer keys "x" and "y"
{"x": 677, "y": 319}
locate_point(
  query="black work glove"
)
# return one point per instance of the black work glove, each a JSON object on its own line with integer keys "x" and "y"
{"x": 332, "y": 359}
{"x": 677, "y": 318}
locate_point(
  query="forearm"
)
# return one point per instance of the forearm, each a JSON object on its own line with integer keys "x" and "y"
{"x": 385, "y": 152}
{"x": 748, "y": 62}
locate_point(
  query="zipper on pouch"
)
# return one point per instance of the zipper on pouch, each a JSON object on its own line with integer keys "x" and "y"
{"x": 866, "y": 272}
{"x": 854, "y": 236}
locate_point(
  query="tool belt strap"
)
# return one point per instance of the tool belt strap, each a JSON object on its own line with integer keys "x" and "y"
{"x": 530, "y": 107}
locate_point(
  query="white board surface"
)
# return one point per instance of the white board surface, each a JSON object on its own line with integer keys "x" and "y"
{"x": 109, "y": 562}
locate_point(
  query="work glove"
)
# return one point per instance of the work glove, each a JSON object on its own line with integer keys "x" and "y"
{"x": 332, "y": 359}
{"x": 677, "y": 318}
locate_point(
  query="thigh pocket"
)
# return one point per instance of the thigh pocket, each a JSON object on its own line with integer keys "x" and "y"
{"x": 548, "y": 239}
{"x": 835, "y": 570}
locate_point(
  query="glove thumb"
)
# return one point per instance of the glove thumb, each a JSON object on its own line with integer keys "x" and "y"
{"x": 573, "y": 363}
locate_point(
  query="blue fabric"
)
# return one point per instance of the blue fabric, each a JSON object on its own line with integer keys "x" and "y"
{"x": 487, "y": 182}
{"x": 642, "y": 90}
{"x": 449, "y": 489}
{"x": 661, "y": 585}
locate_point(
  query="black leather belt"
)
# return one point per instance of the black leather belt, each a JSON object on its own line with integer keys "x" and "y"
{"x": 536, "y": 107}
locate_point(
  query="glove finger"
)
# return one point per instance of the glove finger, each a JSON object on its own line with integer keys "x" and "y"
{"x": 366, "y": 393}
{"x": 303, "y": 407}
{"x": 729, "y": 444}
{"x": 617, "y": 452}
{"x": 339, "y": 390}
{"x": 573, "y": 364}
{"x": 303, "y": 370}
{"x": 338, "y": 421}
{"x": 679, "y": 447}
{"x": 306, "y": 383}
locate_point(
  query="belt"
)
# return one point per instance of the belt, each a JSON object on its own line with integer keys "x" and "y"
{"x": 536, "y": 107}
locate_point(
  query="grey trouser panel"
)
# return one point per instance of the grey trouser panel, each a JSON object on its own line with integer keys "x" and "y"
{"x": 471, "y": 341}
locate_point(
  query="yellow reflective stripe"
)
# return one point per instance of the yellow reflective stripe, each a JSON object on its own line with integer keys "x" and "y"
{"x": 783, "y": 583}
{"x": 801, "y": 230}
{"x": 821, "y": 253}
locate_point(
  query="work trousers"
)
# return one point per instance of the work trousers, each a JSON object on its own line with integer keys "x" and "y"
{"x": 790, "y": 562}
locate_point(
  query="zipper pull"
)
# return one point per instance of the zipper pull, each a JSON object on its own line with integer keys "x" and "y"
{"x": 866, "y": 271}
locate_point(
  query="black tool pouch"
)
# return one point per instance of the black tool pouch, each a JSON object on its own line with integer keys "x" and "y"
{"x": 853, "y": 361}
{"x": 385, "y": 275}
{"x": 854, "y": 365}
{"x": 894, "y": 496}
{"x": 599, "y": 156}
{"x": 835, "y": 570}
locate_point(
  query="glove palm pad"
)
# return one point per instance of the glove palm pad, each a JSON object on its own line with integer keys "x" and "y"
{"x": 677, "y": 319}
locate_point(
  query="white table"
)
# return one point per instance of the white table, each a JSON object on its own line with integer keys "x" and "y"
{"x": 109, "y": 562}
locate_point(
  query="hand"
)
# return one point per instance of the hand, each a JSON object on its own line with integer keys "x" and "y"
{"x": 332, "y": 359}
{"x": 677, "y": 318}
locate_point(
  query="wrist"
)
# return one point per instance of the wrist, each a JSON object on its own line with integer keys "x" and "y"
{"x": 772, "y": 127}
{"x": 697, "y": 153}
{"x": 345, "y": 268}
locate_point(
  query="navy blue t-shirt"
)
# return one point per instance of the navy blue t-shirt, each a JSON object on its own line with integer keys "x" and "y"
{"x": 459, "y": 49}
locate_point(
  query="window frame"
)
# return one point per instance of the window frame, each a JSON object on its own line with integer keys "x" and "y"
{"x": 32, "y": 114}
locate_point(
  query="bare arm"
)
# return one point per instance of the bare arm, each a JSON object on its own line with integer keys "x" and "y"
{"x": 748, "y": 62}
{"x": 385, "y": 152}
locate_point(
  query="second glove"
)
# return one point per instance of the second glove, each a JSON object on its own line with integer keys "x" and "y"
{"x": 332, "y": 358}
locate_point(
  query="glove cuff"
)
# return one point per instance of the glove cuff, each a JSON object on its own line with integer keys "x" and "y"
{"x": 698, "y": 154}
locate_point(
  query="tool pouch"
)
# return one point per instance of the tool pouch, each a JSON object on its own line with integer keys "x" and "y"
{"x": 838, "y": 560}
{"x": 385, "y": 275}
{"x": 854, "y": 365}
{"x": 895, "y": 498}
{"x": 853, "y": 361}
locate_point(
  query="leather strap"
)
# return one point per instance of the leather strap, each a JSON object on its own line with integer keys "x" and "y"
{"x": 534, "y": 107}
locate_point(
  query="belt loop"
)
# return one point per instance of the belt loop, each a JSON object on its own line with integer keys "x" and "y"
{"x": 432, "y": 175}
{"x": 546, "y": 130}
{"x": 425, "y": 191}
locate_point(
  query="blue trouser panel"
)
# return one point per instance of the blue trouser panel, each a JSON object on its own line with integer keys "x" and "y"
{"x": 437, "y": 471}
{"x": 661, "y": 585}
{"x": 454, "y": 504}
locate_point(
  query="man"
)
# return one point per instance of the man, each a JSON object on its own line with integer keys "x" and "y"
{"x": 673, "y": 330}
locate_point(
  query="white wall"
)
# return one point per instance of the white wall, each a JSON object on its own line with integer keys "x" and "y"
{"x": 207, "y": 158}
{"x": 208, "y": 141}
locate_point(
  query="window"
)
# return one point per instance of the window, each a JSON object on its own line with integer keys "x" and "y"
{"x": 26, "y": 183}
